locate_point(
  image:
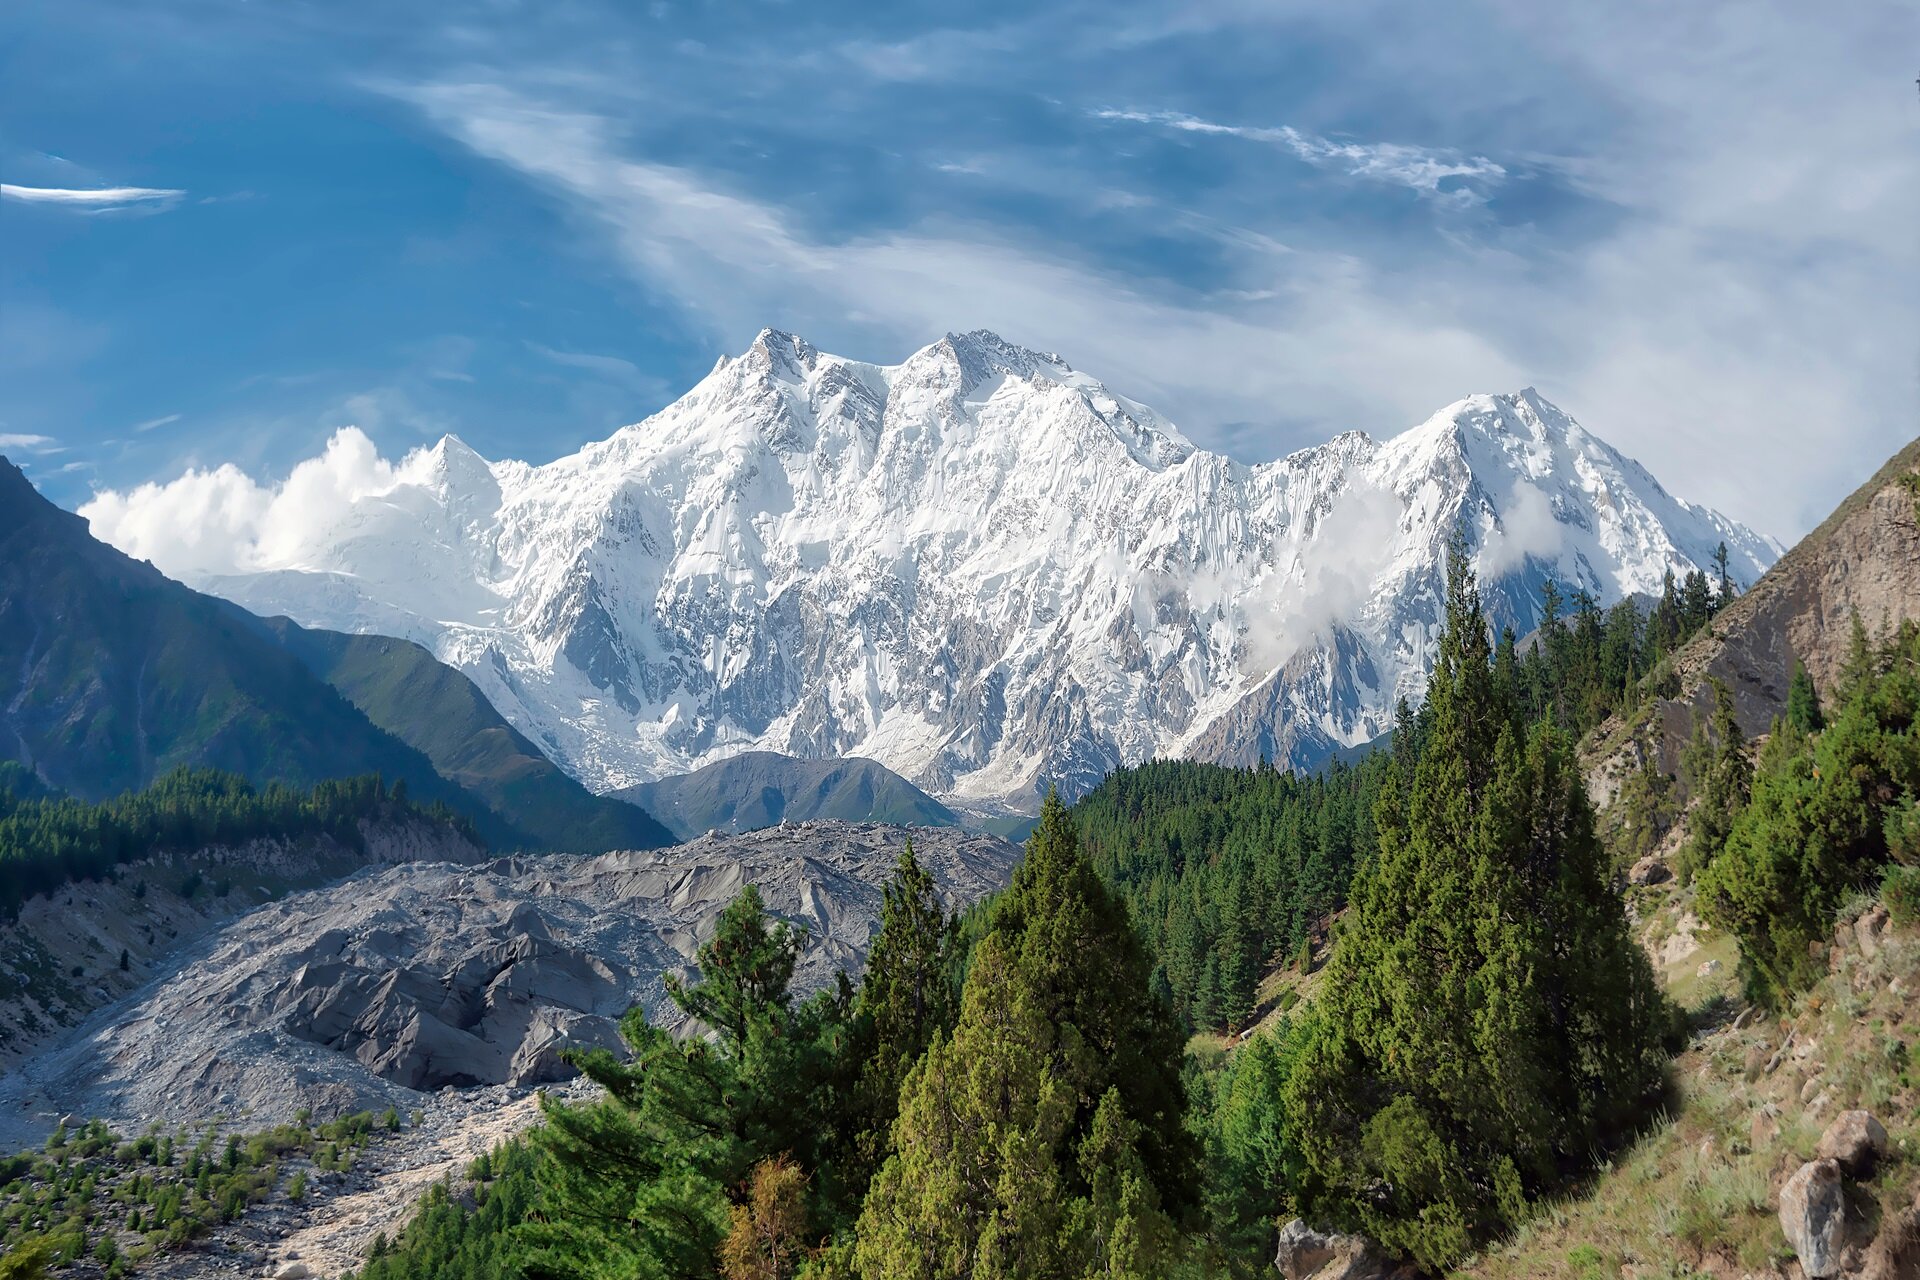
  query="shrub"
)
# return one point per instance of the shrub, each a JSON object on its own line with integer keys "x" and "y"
{"x": 1900, "y": 890}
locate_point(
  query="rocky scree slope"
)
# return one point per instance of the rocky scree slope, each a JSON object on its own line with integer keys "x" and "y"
{"x": 980, "y": 567}
{"x": 434, "y": 975}
{"x": 90, "y": 943}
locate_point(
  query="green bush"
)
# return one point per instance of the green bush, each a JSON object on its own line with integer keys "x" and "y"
{"x": 1900, "y": 890}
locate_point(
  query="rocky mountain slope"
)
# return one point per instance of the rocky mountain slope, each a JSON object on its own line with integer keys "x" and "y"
{"x": 979, "y": 567}
{"x": 434, "y": 974}
{"x": 91, "y": 943}
{"x": 762, "y": 788}
{"x": 111, "y": 675}
{"x": 1864, "y": 559}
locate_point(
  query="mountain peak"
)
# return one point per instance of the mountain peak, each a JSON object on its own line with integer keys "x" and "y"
{"x": 950, "y": 565}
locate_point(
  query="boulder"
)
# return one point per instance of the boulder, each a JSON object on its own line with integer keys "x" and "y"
{"x": 1306, "y": 1254}
{"x": 1303, "y": 1251}
{"x": 1855, "y": 1140}
{"x": 1649, "y": 870}
{"x": 1813, "y": 1215}
{"x": 293, "y": 1271}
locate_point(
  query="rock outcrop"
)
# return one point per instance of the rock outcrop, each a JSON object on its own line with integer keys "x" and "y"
{"x": 1864, "y": 559}
{"x": 1306, "y": 1254}
{"x": 1856, "y": 1141}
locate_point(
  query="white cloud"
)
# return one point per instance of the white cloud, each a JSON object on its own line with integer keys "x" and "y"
{"x": 1311, "y": 351}
{"x": 1527, "y": 528}
{"x": 25, "y": 443}
{"x": 1424, "y": 170}
{"x": 154, "y": 424}
{"x": 90, "y": 199}
{"x": 209, "y": 522}
{"x": 1326, "y": 565}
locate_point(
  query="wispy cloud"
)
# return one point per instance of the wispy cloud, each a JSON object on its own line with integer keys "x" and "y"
{"x": 154, "y": 424}
{"x": 91, "y": 200}
{"x": 1448, "y": 177}
{"x": 26, "y": 443}
{"x": 740, "y": 263}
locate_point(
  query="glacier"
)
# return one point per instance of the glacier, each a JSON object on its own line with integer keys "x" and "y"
{"x": 980, "y": 567}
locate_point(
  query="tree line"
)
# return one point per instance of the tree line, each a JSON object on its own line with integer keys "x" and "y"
{"x": 49, "y": 840}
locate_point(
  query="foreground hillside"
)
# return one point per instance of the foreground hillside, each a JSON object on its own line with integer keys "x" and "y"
{"x": 1755, "y": 1095}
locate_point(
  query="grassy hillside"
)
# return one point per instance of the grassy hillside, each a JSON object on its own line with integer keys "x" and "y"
{"x": 404, "y": 690}
{"x": 761, "y": 788}
{"x": 112, "y": 675}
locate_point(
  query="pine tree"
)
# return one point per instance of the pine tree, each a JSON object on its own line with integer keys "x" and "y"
{"x": 1803, "y": 702}
{"x": 767, "y": 1240}
{"x": 1485, "y": 1021}
{"x": 905, "y": 998}
{"x": 1721, "y": 778}
{"x": 636, "y": 1184}
{"x": 1045, "y": 1137}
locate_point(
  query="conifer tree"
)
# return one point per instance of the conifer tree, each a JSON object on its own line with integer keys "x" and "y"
{"x": 1721, "y": 777}
{"x": 1803, "y": 702}
{"x": 1486, "y": 1021}
{"x": 636, "y": 1185}
{"x": 906, "y": 996}
{"x": 1045, "y": 1136}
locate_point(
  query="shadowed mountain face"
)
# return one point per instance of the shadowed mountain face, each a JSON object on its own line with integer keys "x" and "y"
{"x": 403, "y": 689}
{"x": 763, "y": 788}
{"x": 112, "y": 674}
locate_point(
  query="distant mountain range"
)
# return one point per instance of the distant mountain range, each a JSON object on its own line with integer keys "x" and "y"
{"x": 981, "y": 568}
{"x": 763, "y": 788}
{"x": 112, "y": 674}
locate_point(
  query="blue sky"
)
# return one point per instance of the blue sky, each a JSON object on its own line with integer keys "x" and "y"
{"x": 228, "y": 229}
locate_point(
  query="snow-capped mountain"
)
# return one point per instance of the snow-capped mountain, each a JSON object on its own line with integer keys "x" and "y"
{"x": 980, "y": 567}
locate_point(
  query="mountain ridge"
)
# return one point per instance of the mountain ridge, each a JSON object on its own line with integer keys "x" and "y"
{"x": 112, "y": 674}
{"x": 980, "y": 567}
{"x": 757, "y": 789}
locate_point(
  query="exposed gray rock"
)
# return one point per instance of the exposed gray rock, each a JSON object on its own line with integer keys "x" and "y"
{"x": 435, "y": 975}
{"x": 1813, "y": 1214}
{"x": 1649, "y": 870}
{"x": 1856, "y": 1140}
{"x": 1306, "y": 1254}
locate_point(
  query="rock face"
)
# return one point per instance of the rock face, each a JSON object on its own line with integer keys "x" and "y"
{"x": 1813, "y": 1216}
{"x": 435, "y": 975}
{"x": 1865, "y": 559}
{"x": 980, "y": 567}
